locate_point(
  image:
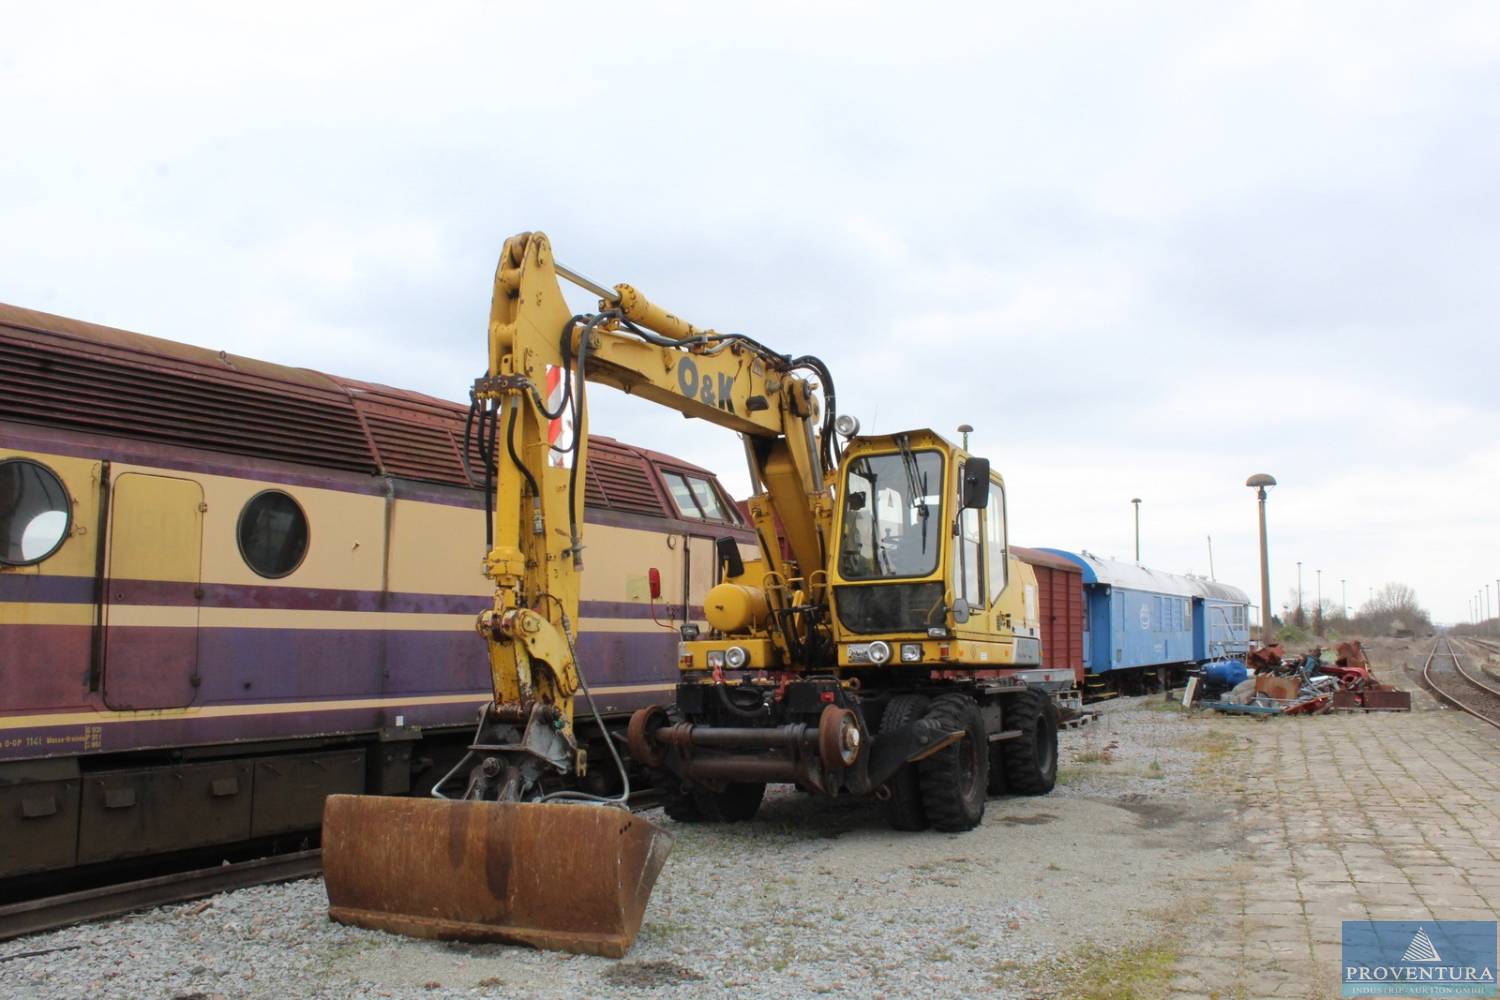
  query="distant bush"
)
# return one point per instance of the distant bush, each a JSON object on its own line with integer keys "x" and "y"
{"x": 1291, "y": 635}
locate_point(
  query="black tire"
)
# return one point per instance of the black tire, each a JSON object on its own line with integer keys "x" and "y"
{"x": 903, "y": 810}
{"x": 998, "y": 785}
{"x": 1031, "y": 758}
{"x": 679, "y": 803}
{"x": 956, "y": 778}
{"x": 739, "y": 801}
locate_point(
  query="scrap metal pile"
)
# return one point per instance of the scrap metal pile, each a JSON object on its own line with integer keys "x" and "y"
{"x": 1268, "y": 682}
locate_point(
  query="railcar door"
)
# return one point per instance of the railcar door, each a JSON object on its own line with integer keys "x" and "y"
{"x": 152, "y": 592}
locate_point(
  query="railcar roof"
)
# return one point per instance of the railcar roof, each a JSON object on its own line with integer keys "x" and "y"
{"x": 95, "y": 379}
{"x": 1131, "y": 576}
{"x": 1216, "y": 591}
{"x": 1042, "y": 557}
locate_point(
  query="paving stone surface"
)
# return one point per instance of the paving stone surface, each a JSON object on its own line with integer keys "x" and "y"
{"x": 1346, "y": 817}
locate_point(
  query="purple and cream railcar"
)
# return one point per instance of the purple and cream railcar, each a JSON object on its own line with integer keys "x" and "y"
{"x": 230, "y": 588}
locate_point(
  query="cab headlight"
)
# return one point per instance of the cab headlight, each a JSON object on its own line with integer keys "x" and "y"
{"x": 911, "y": 652}
{"x": 879, "y": 652}
{"x": 736, "y": 657}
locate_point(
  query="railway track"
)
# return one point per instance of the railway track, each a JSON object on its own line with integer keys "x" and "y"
{"x": 54, "y": 912}
{"x": 114, "y": 899}
{"x": 1489, "y": 644}
{"x": 1470, "y": 694}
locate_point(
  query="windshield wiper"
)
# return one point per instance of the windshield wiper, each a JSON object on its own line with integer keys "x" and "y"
{"x": 916, "y": 482}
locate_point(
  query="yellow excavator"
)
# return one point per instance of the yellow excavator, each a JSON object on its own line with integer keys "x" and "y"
{"x": 884, "y": 642}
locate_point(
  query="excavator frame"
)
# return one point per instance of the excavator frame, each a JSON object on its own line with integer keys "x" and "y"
{"x": 793, "y": 682}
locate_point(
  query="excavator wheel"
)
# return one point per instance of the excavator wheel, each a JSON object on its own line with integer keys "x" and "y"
{"x": 904, "y": 808}
{"x": 739, "y": 801}
{"x": 999, "y": 785}
{"x": 736, "y": 802}
{"x": 1031, "y": 759}
{"x": 956, "y": 778}
{"x": 678, "y": 802}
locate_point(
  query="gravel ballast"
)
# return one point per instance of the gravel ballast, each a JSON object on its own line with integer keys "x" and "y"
{"x": 814, "y": 897}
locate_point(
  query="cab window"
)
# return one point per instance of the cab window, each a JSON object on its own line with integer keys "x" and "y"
{"x": 892, "y": 509}
{"x": 994, "y": 517}
{"x": 970, "y": 573}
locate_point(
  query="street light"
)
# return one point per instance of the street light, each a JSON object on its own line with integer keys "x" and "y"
{"x": 1260, "y": 482}
{"x": 1344, "y": 600}
{"x": 1137, "y": 502}
{"x": 1318, "y": 608}
{"x": 1300, "y": 619}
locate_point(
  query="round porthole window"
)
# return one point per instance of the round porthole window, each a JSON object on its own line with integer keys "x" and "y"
{"x": 35, "y": 512}
{"x": 273, "y": 533}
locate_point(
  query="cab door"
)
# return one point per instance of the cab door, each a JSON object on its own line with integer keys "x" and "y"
{"x": 699, "y": 574}
{"x": 151, "y": 592}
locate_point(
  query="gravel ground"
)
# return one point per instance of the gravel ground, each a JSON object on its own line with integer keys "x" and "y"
{"x": 814, "y": 897}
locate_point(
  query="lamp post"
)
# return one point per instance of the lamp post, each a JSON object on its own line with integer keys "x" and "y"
{"x": 965, "y": 430}
{"x": 1137, "y": 502}
{"x": 1300, "y": 618}
{"x": 1261, "y": 482}
{"x": 1344, "y": 600}
{"x": 1318, "y": 608}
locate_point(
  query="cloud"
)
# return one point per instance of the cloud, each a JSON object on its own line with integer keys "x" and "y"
{"x": 1145, "y": 251}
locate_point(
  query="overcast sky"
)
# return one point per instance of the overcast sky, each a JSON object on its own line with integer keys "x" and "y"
{"x": 1146, "y": 250}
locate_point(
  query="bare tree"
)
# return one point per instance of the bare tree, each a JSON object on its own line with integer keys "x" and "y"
{"x": 1392, "y": 608}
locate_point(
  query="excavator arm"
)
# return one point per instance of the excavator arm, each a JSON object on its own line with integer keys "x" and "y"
{"x": 637, "y": 347}
{"x": 575, "y": 876}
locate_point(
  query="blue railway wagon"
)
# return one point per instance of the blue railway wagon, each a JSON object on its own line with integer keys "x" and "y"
{"x": 1221, "y": 623}
{"x": 1137, "y": 617}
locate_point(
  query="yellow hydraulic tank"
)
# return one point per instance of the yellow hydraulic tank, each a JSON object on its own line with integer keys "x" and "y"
{"x": 736, "y": 607}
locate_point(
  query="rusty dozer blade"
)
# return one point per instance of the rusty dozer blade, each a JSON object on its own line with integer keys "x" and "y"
{"x": 567, "y": 877}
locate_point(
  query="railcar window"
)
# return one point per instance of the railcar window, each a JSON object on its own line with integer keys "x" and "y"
{"x": 695, "y": 497}
{"x": 35, "y": 512}
{"x": 273, "y": 534}
{"x": 707, "y": 502}
{"x": 681, "y": 495}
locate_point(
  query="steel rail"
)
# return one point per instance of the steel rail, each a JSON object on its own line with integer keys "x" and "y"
{"x": 53, "y": 912}
{"x": 1470, "y": 677}
{"x": 1452, "y": 699}
{"x": 47, "y": 913}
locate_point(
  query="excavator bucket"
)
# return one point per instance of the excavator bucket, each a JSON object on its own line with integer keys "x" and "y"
{"x": 566, "y": 877}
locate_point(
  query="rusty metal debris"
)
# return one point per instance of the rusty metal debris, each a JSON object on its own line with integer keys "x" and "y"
{"x": 1312, "y": 684}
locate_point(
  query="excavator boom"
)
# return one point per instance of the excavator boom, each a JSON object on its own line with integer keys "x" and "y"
{"x": 492, "y": 854}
